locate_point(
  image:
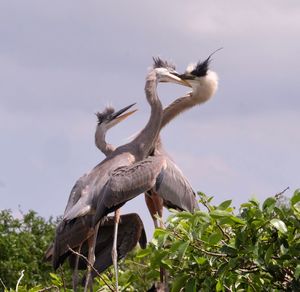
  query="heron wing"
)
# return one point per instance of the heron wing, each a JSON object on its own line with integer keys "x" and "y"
{"x": 69, "y": 234}
{"x": 76, "y": 192}
{"x": 127, "y": 182}
{"x": 130, "y": 232}
{"x": 174, "y": 188}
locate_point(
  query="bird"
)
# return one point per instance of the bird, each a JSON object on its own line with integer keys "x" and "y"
{"x": 131, "y": 231}
{"x": 204, "y": 83}
{"x": 158, "y": 174}
{"x": 72, "y": 233}
{"x": 107, "y": 119}
{"x": 89, "y": 196}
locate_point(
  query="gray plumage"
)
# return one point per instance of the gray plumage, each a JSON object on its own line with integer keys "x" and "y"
{"x": 87, "y": 195}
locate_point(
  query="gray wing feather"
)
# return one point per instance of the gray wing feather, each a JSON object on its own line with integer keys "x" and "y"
{"x": 76, "y": 193}
{"x": 127, "y": 182}
{"x": 175, "y": 189}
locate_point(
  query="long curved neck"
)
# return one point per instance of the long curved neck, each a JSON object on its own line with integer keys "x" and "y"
{"x": 147, "y": 137}
{"x": 178, "y": 106}
{"x": 101, "y": 144}
{"x": 203, "y": 90}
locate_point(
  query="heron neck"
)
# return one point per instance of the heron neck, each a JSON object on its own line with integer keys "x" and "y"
{"x": 149, "y": 134}
{"x": 101, "y": 144}
{"x": 178, "y": 106}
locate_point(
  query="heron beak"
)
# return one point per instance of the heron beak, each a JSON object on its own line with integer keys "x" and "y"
{"x": 118, "y": 117}
{"x": 186, "y": 76}
{"x": 176, "y": 78}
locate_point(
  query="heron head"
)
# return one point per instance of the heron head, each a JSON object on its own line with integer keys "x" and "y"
{"x": 195, "y": 72}
{"x": 109, "y": 117}
{"x": 166, "y": 72}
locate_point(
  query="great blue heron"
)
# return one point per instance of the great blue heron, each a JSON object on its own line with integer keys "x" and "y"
{"x": 90, "y": 194}
{"x": 174, "y": 190}
{"x": 106, "y": 120}
{"x": 204, "y": 83}
{"x": 131, "y": 231}
{"x": 73, "y": 233}
{"x": 157, "y": 172}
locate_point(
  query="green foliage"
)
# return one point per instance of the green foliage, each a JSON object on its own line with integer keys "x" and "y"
{"x": 216, "y": 249}
{"x": 22, "y": 246}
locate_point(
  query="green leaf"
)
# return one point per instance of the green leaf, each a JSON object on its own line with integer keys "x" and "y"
{"x": 269, "y": 254}
{"x": 220, "y": 214}
{"x": 237, "y": 220}
{"x": 201, "y": 260}
{"x": 185, "y": 215}
{"x": 56, "y": 279}
{"x": 297, "y": 272}
{"x": 269, "y": 203}
{"x": 254, "y": 202}
{"x": 158, "y": 232}
{"x": 167, "y": 262}
{"x": 191, "y": 285}
{"x": 219, "y": 286}
{"x": 231, "y": 251}
{"x": 224, "y": 205}
{"x": 279, "y": 225}
{"x": 182, "y": 249}
{"x": 143, "y": 252}
{"x": 296, "y": 197}
{"x": 179, "y": 283}
{"x": 215, "y": 238}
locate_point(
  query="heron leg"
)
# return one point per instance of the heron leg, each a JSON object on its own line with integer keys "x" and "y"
{"x": 155, "y": 207}
{"x": 114, "y": 252}
{"x": 91, "y": 257}
{"x": 75, "y": 272}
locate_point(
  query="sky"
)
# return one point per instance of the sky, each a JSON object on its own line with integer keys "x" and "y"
{"x": 62, "y": 61}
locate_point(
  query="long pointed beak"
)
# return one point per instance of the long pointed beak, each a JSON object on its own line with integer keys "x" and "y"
{"x": 186, "y": 76}
{"x": 176, "y": 78}
{"x": 117, "y": 117}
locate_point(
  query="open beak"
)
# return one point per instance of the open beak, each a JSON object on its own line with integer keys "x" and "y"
{"x": 117, "y": 117}
{"x": 176, "y": 78}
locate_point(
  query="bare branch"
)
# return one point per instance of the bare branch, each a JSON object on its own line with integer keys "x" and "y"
{"x": 49, "y": 288}
{"x": 201, "y": 249}
{"x": 3, "y": 284}
{"x": 282, "y": 192}
{"x": 204, "y": 202}
{"x": 19, "y": 280}
{"x": 88, "y": 263}
{"x": 62, "y": 277}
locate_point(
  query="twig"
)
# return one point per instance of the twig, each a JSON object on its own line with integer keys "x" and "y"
{"x": 61, "y": 271}
{"x": 204, "y": 202}
{"x": 282, "y": 192}
{"x": 19, "y": 280}
{"x": 88, "y": 263}
{"x": 3, "y": 284}
{"x": 227, "y": 287}
{"x": 250, "y": 270}
{"x": 49, "y": 288}
{"x": 202, "y": 250}
{"x": 138, "y": 264}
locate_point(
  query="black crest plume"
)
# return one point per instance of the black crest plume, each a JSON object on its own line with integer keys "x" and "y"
{"x": 105, "y": 114}
{"x": 159, "y": 63}
{"x": 202, "y": 67}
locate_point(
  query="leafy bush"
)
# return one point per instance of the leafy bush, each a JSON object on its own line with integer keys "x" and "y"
{"x": 22, "y": 246}
{"x": 211, "y": 250}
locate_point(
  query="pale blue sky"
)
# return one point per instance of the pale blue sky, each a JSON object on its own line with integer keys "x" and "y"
{"x": 61, "y": 61}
